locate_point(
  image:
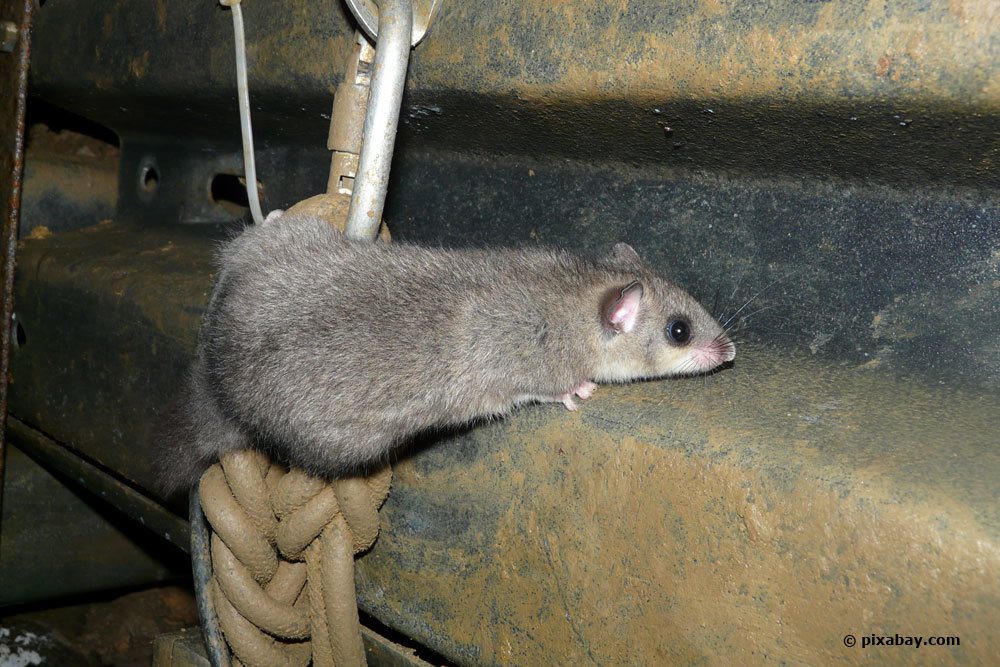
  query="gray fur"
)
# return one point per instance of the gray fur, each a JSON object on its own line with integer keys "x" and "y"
{"x": 329, "y": 352}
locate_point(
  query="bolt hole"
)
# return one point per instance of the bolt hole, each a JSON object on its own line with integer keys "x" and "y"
{"x": 230, "y": 192}
{"x": 149, "y": 179}
{"x": 19, "y": 337}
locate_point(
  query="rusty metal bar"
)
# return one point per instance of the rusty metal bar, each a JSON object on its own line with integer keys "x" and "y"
{"x": 13, "y": 97}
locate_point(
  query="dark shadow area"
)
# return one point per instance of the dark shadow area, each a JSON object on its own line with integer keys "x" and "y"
{"x": 419, "y": 650}
{"x": 59, "y": 120}
{"x": 230, "y": 192}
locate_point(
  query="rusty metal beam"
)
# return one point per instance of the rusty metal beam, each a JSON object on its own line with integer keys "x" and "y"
{"x": 770, "y": 510}
{"x": 61, "y": 541}
{"x": 110, "y": 314}
{"x": 102, "y": 484}
{"x": 16, "y": 16}
{"x": 900, "y": 92}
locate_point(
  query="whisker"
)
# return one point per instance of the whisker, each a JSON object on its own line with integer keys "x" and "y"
{"x": 795, "y": 334}
{"x": 736, "y": 286}
{"x": 746, "y": 318}
{"x": 750, "y": 300}
{"x": 762, "y": 309}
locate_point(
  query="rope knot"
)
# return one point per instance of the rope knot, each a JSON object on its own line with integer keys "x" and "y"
{"x": 283, "y": 546}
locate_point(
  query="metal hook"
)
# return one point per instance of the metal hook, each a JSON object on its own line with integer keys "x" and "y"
{"x": 392, "y": 54}
{"x": 367, "y": 14}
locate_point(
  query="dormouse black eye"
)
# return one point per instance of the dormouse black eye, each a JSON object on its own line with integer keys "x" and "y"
{"x": 679, "y": 332}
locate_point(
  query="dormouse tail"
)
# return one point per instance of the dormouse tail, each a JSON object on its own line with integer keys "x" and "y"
{"x": 193, "y": 436}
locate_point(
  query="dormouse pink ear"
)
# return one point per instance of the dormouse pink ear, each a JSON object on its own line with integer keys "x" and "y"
{"x": 621, "y": 308}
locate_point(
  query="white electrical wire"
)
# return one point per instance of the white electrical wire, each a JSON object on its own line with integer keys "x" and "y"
{"x": 243, "y": 93}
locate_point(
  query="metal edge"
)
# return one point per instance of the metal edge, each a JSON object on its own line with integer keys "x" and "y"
{"x": 11, "y": 219}
{"x": 102, "y": 484}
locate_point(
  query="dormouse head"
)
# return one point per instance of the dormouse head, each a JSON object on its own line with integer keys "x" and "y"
{"x": 652, "y": 328}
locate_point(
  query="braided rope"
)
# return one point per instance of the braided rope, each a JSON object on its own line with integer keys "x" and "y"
{"x": 283, "y": 547}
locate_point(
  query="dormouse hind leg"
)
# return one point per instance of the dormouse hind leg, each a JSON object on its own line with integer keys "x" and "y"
{"x": 584, "y": 390}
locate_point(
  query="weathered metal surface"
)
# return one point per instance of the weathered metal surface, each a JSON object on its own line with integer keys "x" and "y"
{"x": 73, "y": 180}
{"x": 110, "y": 314}
{"x": 718, "y": 50}
{"x": 58, "y": 543}
{"x": 905, "y": 91}
{"x": 17, "y": 16}
{"x": 100, "y": 484}
{"x": 759, "y": 515}
{"x": 805, "y": 89}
